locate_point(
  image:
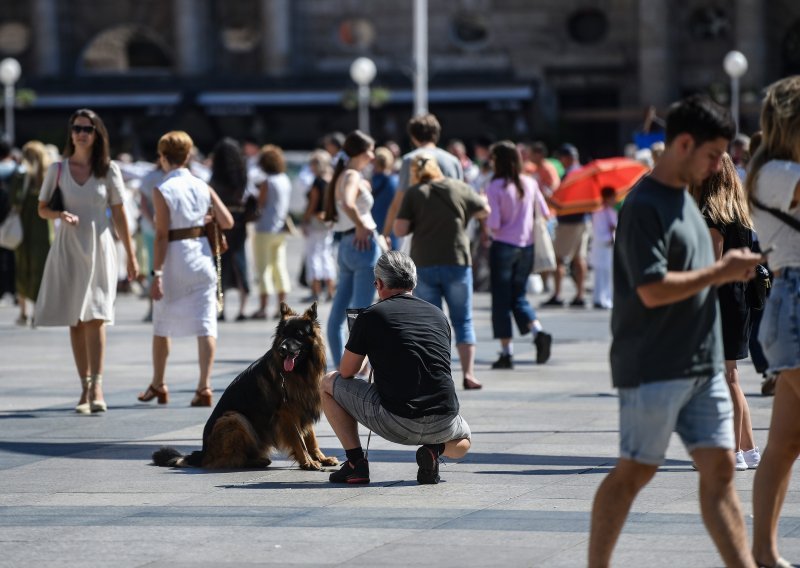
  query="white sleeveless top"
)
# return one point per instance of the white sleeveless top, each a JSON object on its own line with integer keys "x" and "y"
{"x": 364, "y": 202}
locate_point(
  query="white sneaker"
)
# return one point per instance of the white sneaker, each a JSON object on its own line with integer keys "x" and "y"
{"x": 741, "y": 465}
{"x": 752, "y": 458}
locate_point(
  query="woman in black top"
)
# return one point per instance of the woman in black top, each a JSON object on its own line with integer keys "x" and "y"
{"x": 229, "y": 180}
{"x": 723, "y": 202}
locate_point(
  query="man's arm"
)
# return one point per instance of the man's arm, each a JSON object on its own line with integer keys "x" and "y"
{"x": 736, "y": 265}
{"x": 351, "y": 364}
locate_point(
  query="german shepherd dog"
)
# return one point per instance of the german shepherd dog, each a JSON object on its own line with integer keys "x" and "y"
{"x": 271, "y": 404}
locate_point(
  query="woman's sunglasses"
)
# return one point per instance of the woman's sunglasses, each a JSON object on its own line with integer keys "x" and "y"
{"x": 77, "y": 129}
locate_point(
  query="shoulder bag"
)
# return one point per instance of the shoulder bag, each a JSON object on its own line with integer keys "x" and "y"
{"x": 544, "y": 255}
{"x": 56, "y": 202}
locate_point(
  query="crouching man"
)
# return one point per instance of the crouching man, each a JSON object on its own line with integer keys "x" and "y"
{"x": 412, "y": 400}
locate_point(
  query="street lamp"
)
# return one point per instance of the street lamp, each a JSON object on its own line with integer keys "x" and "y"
{"x": 735, "y": 65}
{"x": 362, "y": 72}
{"x": 9, "y": 75}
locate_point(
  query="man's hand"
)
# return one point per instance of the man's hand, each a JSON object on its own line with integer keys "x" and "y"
{"x": 737, "y": 265}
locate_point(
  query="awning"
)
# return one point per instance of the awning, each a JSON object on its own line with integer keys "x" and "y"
{"x": 334, "y": 98}
{"x": 106, "y": 100}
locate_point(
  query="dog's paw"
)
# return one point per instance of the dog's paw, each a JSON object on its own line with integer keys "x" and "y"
{"x": 329, "y": 461}
{"x": 311, "y": 466}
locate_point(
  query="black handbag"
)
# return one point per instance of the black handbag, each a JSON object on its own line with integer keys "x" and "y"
{"x": 56, "y": 202}
{"x": 757, "y": 288}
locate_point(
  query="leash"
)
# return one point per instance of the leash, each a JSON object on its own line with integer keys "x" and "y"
{"x": 285, "y": 399}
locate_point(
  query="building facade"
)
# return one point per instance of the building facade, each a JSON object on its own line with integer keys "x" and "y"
{"x": 277, "y": 70}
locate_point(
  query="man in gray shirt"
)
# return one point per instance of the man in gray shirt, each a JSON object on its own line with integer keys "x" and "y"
{"x": 424, "y": 131}
{"x": 666, "y": 353}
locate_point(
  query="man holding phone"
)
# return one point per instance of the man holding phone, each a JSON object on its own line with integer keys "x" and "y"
{"x": 413, "y": 399}
{"x": 666, "y": 353}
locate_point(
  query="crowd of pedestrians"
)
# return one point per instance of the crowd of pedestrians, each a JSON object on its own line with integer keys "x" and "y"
{"x": 674, "y": 264}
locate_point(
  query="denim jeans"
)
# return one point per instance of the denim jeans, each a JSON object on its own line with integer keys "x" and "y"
{"x": 510, "y": 266}
{"x": 779, "y": 333}
{"x": 355, "y": 289}
{"x": 454, "y": 283}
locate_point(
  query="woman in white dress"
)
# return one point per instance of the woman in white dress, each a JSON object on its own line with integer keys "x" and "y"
{"x": 184, "y": 273}
{"x": 79, "y": 285}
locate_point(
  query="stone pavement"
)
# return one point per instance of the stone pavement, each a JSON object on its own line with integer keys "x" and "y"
{"x": 79, "y": 490}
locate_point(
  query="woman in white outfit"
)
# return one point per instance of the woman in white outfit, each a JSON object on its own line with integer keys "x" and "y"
{"x": 184, "y": 274}
{"x": 79, "y": 285}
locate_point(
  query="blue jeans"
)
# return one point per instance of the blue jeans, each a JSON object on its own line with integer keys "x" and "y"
{"x": 355, "y": 289}
{"x": 454, "y": 283}
{"x": 779, "y": 334}
{"x": 510, "y": 267}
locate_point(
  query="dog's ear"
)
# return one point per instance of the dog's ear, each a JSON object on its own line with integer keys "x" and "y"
{"x": 311, "y": 313}
{"x": 286, "y": 311}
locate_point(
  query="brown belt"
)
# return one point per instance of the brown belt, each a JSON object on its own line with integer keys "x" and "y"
{"x": 190, "y": 233}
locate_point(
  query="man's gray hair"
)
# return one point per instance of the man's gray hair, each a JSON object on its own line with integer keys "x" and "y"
{"x": 396, "y": 270}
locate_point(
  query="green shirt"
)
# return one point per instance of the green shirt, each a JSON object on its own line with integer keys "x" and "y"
{"x": 438, "y": 213}
{"x": 661, "y": 229}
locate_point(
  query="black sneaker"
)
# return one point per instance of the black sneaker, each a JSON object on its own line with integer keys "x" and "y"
{"x": 553, "y": 302}
{"x": 542, "y": 341}
{"x": 578, "y": 303}
{"x": 428, "y": 462}
{"x": 504, "y": 362}
{"x": 357, "y": 473}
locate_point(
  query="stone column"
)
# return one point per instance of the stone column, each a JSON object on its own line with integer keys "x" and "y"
{"x": 751, "y": 40}
{"x": 656, "y": 77}
{"x": 191, "y": 36}
{"x": 275, "y": 36}
{"x": 44, "y": 19}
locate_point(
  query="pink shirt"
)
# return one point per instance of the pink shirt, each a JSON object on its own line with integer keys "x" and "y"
{"x": 511, "y": 219}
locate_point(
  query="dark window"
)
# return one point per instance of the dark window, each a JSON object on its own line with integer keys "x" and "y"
{"x": 588, "y": 25}
{"x": 790, "y": 50}
{"x": 709, "y": 23}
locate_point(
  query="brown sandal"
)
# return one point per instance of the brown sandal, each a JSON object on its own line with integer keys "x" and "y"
{"x": 162, "y": 394}
{"x": 202, "y": 397}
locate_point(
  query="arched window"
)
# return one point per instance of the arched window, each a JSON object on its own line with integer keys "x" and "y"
{"x": 124, "y": 49}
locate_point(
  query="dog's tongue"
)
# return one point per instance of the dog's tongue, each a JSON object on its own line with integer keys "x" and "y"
{"x": 288, "y": 363}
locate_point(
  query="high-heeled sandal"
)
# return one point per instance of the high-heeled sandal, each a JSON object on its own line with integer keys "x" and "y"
{"x": 202, "y": 397}
{"x": 162, "y": 394}
{"x": 96, "y": 405}
{"x": 85, "y": 407}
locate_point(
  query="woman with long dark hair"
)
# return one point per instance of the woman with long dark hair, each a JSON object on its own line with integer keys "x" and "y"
{"x": 723, "y": 203}
{"x": 348, "y": 204}
{"x": 511, "y": 199}
{"x": 229, "y": 180}
{"x": 79, "y": 285}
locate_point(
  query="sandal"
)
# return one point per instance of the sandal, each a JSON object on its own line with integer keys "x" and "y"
{"x": 162, "y": 394}
{"x": 97, "y": 405}
{"x": 202, "y": 397}
{"x": 85, "y": 407}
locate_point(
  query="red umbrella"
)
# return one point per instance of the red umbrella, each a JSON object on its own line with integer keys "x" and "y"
{"x": 580, "y": 190}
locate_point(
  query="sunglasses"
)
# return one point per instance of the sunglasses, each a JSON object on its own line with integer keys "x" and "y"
{"x": 77, "y": 129}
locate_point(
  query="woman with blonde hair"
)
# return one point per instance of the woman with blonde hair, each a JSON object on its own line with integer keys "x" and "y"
{"x": 79, "y": 284}
{"x": 436, "y": 210}
{"x": 722, "y": 201}
{"x": 184, "y": 288}
{"x": 320, "y": 265}
{"x": 773, "y": 186}
{"x": 32, "y": 252}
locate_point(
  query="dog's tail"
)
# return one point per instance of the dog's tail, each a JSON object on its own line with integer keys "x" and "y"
{"x": 170, "y": 457}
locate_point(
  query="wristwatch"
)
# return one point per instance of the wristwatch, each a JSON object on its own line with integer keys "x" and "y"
{"x": 156, "y": 273}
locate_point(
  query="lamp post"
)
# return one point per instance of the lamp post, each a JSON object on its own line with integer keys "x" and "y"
{"x": 420, "y": 57}
{"x": 362, "y": 72}
{"x": 735, "y": 65}
{"x": 9, "y": 75}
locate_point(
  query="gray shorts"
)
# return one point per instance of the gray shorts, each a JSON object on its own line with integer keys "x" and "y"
{"x": 361, "y": 400}
{"x": 698, "y": 409}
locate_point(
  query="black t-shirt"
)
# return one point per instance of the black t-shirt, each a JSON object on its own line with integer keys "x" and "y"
{"x": 407, "y": 341}
{"x": 661, "y": 230}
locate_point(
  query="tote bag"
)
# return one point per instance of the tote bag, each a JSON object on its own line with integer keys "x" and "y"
{"x": 544, "y": 256}
{"x": 11, "y": 231}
